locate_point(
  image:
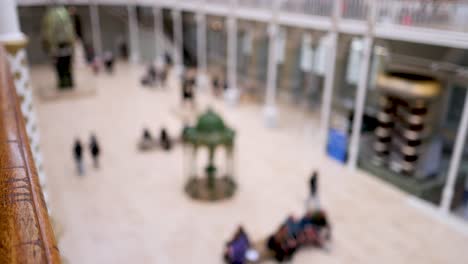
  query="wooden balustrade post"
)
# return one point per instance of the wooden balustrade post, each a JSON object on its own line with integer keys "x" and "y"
{"x": 15, "y": 43}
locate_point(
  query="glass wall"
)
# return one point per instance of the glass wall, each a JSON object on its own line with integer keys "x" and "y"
{"x": 344, "y": 92}
{"x": 459, "y": 204}
{"x": 190, "y": 39}
{"x": 114, "y": 30}
{"x": 252, "y": 60}
{"x": 299, "y": 86}
{"x": 408, "y": 134}
{"x": 216, "y": 35}
{"x": 146, "y": 36}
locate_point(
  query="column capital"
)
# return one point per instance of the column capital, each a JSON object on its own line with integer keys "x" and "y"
{"x": 200, "y": 17}
{"x": 272, "y": 29}
{"x": 13, "y": 46}
{"x": 10, "y": 32}
{"x": 175, "y": 12}
{"x": 230, "y": 21}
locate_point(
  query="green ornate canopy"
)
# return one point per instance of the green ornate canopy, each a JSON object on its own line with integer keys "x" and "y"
{"x": 209, "y": 131}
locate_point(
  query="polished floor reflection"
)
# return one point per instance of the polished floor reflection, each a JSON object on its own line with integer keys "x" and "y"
{"x": 133, "y": 209}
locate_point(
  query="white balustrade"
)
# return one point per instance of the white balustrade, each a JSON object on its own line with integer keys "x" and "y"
{"x": 217, "y": 2}
{"x": 445, "y": 15}
{"x": 260, "y": 4}
{"x": 309, "y": 7}
{"x": 355, "y": 9}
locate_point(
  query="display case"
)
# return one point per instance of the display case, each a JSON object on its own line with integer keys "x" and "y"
{"x": 217, "y": 47}
{"x": 299, "y": 82}
{"x": 415, "y": 119}
{"x": 252, "y": 60}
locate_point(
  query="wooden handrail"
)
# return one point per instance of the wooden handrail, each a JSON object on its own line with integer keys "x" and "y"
{"x": 26, "y": 235}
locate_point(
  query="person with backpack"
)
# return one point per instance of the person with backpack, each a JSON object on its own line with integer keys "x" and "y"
{"x": 78, "y": 156}
{"x": 313, "y": 201}
{"x": 95, "y": 150}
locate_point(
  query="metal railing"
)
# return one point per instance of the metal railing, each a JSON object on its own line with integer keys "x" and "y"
{"x": 446, "y": 15}
{"x": 355, "y": 9}
{"x": 260, "y": 4}
{"x": 309, "y": 7}
{"x": 451, "y": 15}
{"x": 216, "y": 2}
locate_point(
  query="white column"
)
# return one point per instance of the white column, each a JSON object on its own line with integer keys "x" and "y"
{"x": 270, "y": 111}
{"x": 96, "y": 29}
{"x": 133, "y": 34}
{"x": 454, "y": 167}
{"x": 232, "y": 93}
{"x": 360, "y": 99}
{"x": 9, "y": 22}
{"x": 202, "y": 74}
{"x": 359, "y": 102}
{"x": 178, "y": 52}
{"x": 327, "y": 94}
{"x": 159, "y": 35}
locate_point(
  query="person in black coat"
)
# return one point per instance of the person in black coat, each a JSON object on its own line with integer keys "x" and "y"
{"x": 108, "y": 60}
{"x": 313, "y": 201}
{"x": 147, "y": 135}
{"x": 95, "y": 150}
{"x": 313, "y": 184}
{"x": 188, "y": 93}
{"x": 78, "y": 156}
{"x": 165, "y": 140}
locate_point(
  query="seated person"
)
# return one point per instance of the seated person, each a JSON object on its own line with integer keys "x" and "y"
{"x": 317, "y": 218}
{"x": 146, "y": 142}
{"x": 163, "y": 74}
{"x": 282, "y": 245}
{"x": 165, "y": 141}
{"x": 315, "y": 228}
{"x": 237, "y": 248}
{"x": 149, "y": 78}
{"x": 147, "y": 135}
{"x": 188, "y": 91}
{"x": 216, "y": 82}
{"x": 293, "y": 226}
{"x": 108, "y": 60}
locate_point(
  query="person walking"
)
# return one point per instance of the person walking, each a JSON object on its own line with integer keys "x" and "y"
{"x": 165, "y": 140}
{"x": 95, "y": 150}
{"x": 78, "y": 155}
{"x": 313, "y": 200}
{"x": 188, "y": 93}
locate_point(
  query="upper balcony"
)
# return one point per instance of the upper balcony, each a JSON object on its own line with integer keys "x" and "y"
{"x": 443, "y": 23}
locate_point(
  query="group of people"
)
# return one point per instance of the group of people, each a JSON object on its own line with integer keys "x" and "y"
{"x": 311, "y": 229}
{"x": 219, "y": 86}
{"x": 148, "y": 142}
{"x": 96, "y": 62}
{"x": 188, "y": 88}
{"x": 94, "y": 150}
{"x": 155, "y": 76}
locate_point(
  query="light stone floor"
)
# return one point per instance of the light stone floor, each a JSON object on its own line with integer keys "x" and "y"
{"x": 133, "y": 209}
